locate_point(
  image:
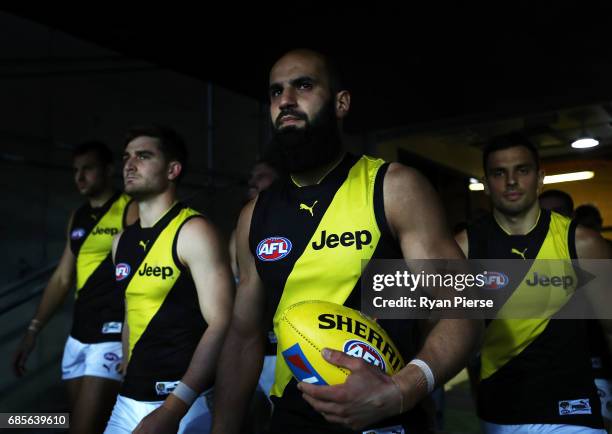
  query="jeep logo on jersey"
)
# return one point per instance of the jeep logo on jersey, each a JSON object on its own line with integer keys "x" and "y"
{"x": 77, "y": 234}
{"x": 557, "y": 281}
{"x": 346, "y": 239}
{"x": 365, "y": 351}
{"x": 122, "y": 271}
{"x": 105, "y": 231}
{"x": 163, "y": 272}
{"x": 273, "y": 249}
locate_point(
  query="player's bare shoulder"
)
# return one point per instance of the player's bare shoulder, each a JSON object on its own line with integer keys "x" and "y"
{"x": 198, "y": 226}
{"x": 407, "y": 193}
{"x": 404, "y": 183}
{"x": 591, "y": 245}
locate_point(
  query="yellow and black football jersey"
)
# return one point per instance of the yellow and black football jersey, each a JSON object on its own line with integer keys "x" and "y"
{"x": 162, "y": 309}
{"x": 309, "y": 243}
{"x": 535, "y": 371}
{"x": 98, "y": 309}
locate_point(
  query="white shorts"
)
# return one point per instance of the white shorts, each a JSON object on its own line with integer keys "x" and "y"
{"x": 266, "y": 379}
{"x": 128, "y": 413}
{"x": 96, "y": 360}
{"x": 493, "y": 428}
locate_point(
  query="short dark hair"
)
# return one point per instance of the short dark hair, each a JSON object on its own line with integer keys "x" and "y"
{"x": 171, "y": 144}
{"x": 103, "y": 152}
{"x": 567, "y": 207}
{"x": 589, "y": 216}
{"x": 332, "y": 67}
{"x": 507, "y": 141}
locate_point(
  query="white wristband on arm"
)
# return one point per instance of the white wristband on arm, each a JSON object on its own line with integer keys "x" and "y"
{"x": 185, "y": 393}
{"x": 34, "y": 326}
{"x": 429, "y": 376}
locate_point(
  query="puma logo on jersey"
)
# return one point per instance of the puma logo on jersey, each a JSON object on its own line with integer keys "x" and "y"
{"x": 162, "y": 272}
{"x": 105, "y": 231}
{"x": 346, "y": 239}
{"x": 517, "y": 252}
{"x": 143, "y": 244}
{"x": 305, "y": 207}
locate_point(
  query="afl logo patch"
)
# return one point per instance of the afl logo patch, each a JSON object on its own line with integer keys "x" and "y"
{"x": 77, "y": 234}
{"x": 495, "y": 280}
{"x": 366, "y": 352}
{"x": 273, "y": 249}
{"x": 122, "y": 271}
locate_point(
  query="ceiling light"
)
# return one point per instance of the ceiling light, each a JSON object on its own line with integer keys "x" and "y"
{"x": 565, "y": 177}
{"x": 474, "y": 185}
{"x": 585, "y": 142}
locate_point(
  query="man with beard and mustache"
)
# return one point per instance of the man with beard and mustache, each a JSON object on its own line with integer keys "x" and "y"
{"x": 331, "y": 194}
{"x": 174, "y": 271}
{"x": 534, "y": 374}
{"x": 92, "y": 352}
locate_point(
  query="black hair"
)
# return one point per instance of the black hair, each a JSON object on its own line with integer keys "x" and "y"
{"x": 103, "y": 153}
{"x": 507, "y": 141}
{"x": 171, "y": 144}
{"x": 567, "y": 207}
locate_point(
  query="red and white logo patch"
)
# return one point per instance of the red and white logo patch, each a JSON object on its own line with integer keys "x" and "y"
{"x": 273, "y": 249}
{"x": 365, "y": 351}
{"x": 122, "y": 271}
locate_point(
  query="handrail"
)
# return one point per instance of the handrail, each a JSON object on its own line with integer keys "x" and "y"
{"x": 38, "y": 291}
{"x": 12, "y": 287}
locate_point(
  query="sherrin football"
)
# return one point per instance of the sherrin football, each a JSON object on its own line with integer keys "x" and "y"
{"x": 305, "y": 328}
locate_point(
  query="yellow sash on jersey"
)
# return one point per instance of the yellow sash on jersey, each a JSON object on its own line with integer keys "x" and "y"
{"x": 330, "y": 274}
{"x": 153, "y": 280}
{"x": 506, "y": 338}
{"x": 96, "y": 248}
